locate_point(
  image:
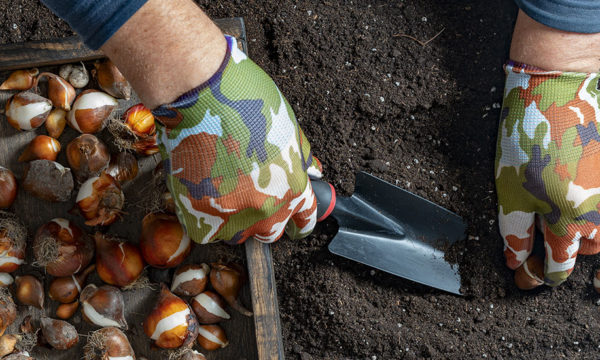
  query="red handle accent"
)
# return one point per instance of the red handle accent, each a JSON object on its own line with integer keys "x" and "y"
{"x": 331, "y": 205}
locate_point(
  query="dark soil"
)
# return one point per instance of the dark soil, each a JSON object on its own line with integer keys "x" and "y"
{"x": 423, "y": 116}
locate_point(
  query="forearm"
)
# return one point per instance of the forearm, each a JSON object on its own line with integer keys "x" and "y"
{"x": 551, "y": 49}
{"x": 166, "y": 49}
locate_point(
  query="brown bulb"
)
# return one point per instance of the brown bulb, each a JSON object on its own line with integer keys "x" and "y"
{"x": 163, "y": 242}
{"x": 190, "y": 280}
{"x": 103, "y": 306}
{"x": 20, "y": 80}
{"x": 100, "y": 200}
{"x": 227, "y": 280}
{"x": 209, "y": 308}
{"x": 56, "y": 122}
{"x": 62, "y": 247}
{"x": 7, "y": 343}
{"x": 111, "y": 80}
{"x": 8, "y": 188}
{"x": 27, "y": 110}
{"x": 13, "y": 236}
{"x": 87, "y": 156}
{"x": 8, "y": 310}
{"x": 60, "y": 92}
{"x": 59, "y": 334}
{"x": 90, "y": 111}
{"x": 30, "y": 291}
{"x": 65, "y": 311}
{"x": 108, "y": 343}
{"x": 41, "y": 147}
{"x": 66, "y": 289}
{"x": 171, "y": 323}
{"x": 123, "y": 167}
{"x": 212, "y": 337}
{"x": 48, "y": 180}
{"x": 119, "y": 263}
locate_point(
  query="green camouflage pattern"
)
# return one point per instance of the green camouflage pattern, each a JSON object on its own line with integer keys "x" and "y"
{"x": 236, "y": 158}
{"x": 547, "y": 165}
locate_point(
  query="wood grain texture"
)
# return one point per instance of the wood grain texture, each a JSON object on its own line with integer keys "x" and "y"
{"x": 71, "y": 49}
{"x": 267, "y": 323}
{"x": 251, "y": 338}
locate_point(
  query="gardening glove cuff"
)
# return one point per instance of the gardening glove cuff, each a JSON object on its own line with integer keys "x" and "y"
{"x": 547, "y": 162}
{"x": 95, "y": 21}
{"x": 236, "y": 159}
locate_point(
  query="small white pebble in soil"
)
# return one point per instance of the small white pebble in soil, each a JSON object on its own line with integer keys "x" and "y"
{"x": 367, "y": 95}
{"x": 492, "y": 222}
{"x": 373, "y": 357}
{"x": 454, "y": 188}
{"x": 598, "y": 304}
{"x": 309, "y": 12}
{"x": 416, "y": 161}
{"x": 331, "y": 312}
{"x": 510, "y": 346}
{"x": 575, "y": 342}
{"x": 400, "y": 325}
{"x": 484, "y": 355}
{"x": 373, "y": 127}
{"x": 491, "y": 306}
{"x": 374, "y": 49}
{"x": 503, "y": 338}
{"x": 408, "y": 166}
{"x": 493, "y": 89}
{"x": 14, "y": 26}
{"x": 397, "y": 83}
{"x": 496, "y": 105}
{"x": 387, "y": 163}
{"x": 372, "y": 272}
{"x": 424, "y": 19}
{"x": 458, "y": 320}
{"x": 381, "y": 98}
{"x": 408, "y": 184}
{"x": 412, "y": 117}
{"x": 444, "y": 195}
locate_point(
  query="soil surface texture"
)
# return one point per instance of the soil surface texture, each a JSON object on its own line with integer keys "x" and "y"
{"x": 409, "y": 91}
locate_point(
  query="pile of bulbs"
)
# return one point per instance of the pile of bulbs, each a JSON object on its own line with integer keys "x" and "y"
{"x": 70, "y": 255}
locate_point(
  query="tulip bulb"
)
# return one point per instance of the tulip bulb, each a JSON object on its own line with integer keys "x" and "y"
{"x": 90, "y": 110}
{"x": 209, "y": 308}
{"x": 139, "y": 120}
{"x": 56, "y": 122}
{"x": 136, "y": 132}
{"x": 20, "y": 80}
{"x": 190, "y": 280}
{"x": 60, "y": 92}
{"x": 30, "y": 291}
{"x": 118, "y": 263}
{"x": 212, "y": 337}
{"x": 41, "y": 147}
{"x": 6, "y": 279}
{"x": 108, "y": 343}
{"x": 65, "y": 311}
{"x": 530, "y": 274}
{"x": 227, "y": 280}
{"x": 163, "y": 242}
{"x": 66, "y": 289}
{"x": 103, "y": 306}
{"x": 100, "y": 200}
{"x": 87, "y": 156}
{"x": 8, "y": 310}
{"x": 13, "y": 235}
{"x": 27, "y": 110}
{"x": 8, "y": 343}
{"x": 62, "y": 248}
{"x": 123, "y": 167}
{"x": 76, "y": 75}
{"x": 171, "y": 324}
{"x": 8, "y": 188}
{"x": 111, "y": 80}
{"x": 59, "y": 334}
{"x": 48, "y": 180}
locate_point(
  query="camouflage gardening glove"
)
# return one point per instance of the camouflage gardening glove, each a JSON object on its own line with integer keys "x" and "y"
{"x": 236, "y": 159}
{"x": 548, "y": 164}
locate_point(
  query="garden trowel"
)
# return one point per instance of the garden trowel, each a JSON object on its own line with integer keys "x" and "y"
{"x": 393, "y": 230}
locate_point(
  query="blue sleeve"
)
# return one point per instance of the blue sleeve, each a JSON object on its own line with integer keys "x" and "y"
{"x": 95, "y": 20}
{"x": 580, "y": 16}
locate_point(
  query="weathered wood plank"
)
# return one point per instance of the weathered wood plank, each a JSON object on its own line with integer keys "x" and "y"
{"x": 71, "y": 49}
{"x": 267, "y": 323}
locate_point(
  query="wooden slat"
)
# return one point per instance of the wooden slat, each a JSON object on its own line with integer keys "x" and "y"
{"x": 264, "y": 301}
{"x": 72, "y": 49}
{"x": 267, "y": 325}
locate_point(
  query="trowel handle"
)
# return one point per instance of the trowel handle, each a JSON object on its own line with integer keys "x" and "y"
{"x": 325, "y": 194}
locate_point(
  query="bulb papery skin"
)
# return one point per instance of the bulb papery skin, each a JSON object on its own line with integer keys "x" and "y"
{"x": 163, "y": 242}
{"x": 27, "y": 110}
{"x": 60, "y": 92}
{"x": 171, "y": 324}
{"x": 62, "y": 247}
{"x": 12, "y": 245}
{"x": 90, "y": 110}
{"x": 108, "y": 343}
{"x": 118, "y": 263}
{"x": 100, "y": 200}
{"x": 190, "y": 280}
{"x": 211, "y": 337}
{"x": 41, "y": 147}
{"x": 209, "y": 308}
{"x": 60, "y": 334}
{"x": 8, "y": 188}
{"x": 87, "y": 156}
{"x": 20, "y": 80}
{"x": 111, "y": 80}
{"x": 103, "y": 306}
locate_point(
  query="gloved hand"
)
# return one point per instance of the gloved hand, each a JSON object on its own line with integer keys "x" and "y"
{"x": 547, "y": 164}
{"x": 236, "y": 159}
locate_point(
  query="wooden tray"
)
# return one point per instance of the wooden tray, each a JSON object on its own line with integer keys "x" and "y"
{"x": 258, "y": 337}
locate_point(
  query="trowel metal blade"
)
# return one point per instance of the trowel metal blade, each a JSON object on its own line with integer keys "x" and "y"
{"x": 395, "y": 231}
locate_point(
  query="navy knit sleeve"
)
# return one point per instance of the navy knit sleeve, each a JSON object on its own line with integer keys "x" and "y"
{"x": 580, "y": 16}
{"x": 95, "y": 20}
